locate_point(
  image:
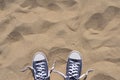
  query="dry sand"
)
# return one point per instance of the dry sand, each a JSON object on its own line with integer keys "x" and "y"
{"x": 56, "y": 27}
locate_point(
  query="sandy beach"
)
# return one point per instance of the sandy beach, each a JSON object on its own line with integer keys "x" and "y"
{"x": 57, "y": 27}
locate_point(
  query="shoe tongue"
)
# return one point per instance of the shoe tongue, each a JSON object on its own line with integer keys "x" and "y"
{"x": 39, "y": 63}
{"x": 40, "y": 69}
{"x": 71, "y": 65}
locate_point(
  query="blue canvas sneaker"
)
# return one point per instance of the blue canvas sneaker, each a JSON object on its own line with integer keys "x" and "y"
{"x": 74, "y": 67}
{"x": 39, "y": 67}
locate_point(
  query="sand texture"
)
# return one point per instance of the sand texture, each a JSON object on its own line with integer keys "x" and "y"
{"x": 56, "y": 27}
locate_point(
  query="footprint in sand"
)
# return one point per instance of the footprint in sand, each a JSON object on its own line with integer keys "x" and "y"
{"x": 39, "y": 26}
{"x": 2, "y": 4}
{"x": 48, "y": 4}
{"x": 98, "y": 21}
{"x": 67, "y": 3}
{"x": 98, "y": 28}
{"x": 57, "y": 53}
{"x": 14, "y": 36}
{"x": 102, "y": 76}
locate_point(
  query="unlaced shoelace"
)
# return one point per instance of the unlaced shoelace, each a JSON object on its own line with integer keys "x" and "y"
{"x": 40, "y": 71}
{"x": 73, "y": 69}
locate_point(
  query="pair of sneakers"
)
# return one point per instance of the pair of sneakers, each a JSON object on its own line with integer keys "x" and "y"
{"x": 40, "y": 70}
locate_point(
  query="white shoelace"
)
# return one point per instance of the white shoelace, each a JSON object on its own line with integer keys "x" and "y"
{"x": 40, "y": 71}
{"x": 73, "y": 69}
